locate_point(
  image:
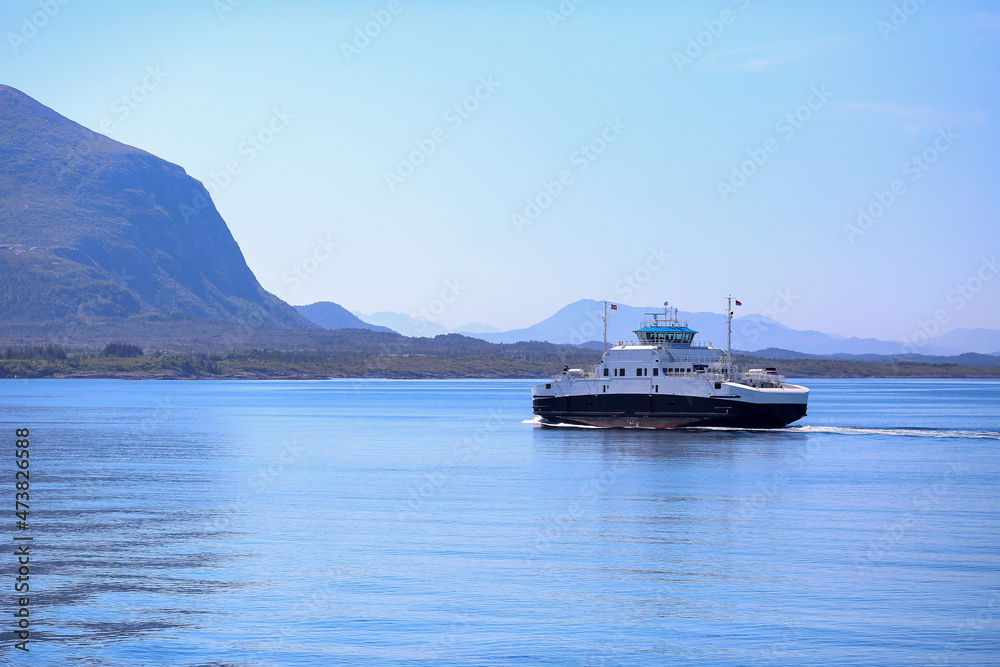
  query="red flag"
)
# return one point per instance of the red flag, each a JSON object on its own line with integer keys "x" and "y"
{"x": 738, "y": 303}
{"x": 614, "y": 307}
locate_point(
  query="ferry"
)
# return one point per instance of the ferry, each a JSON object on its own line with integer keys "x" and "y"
{"x": 668, "y": 379}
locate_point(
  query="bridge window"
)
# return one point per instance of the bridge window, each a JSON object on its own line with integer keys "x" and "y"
{"x": 656, "y": 371}
{"x": 621, "y": 371}
{"x": 638, "y": 372}
{"x": 605, "y": 371}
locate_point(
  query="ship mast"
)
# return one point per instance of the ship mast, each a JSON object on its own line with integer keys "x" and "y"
{"x": 729, "y": 338}
{"x": 605, "y": 327}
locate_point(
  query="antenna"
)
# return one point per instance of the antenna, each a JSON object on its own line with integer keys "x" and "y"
{"x": 605, "y": 318}
{"x": 729, "y": 338}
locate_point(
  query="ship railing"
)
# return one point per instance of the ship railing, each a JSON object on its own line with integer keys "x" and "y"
{"x": 661, "y": 321}
{"x": 564, "y": 375}
{"x": 758, "y": 379}
{"x": 704, "y": 375}
{"x": 711, "y": 375}
{"x": 665, "y": 343}
{"x": 769, "y": 382}
{"x": 714, "y": 370}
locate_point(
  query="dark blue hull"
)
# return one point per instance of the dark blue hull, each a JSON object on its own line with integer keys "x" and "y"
{"x": 663, "y": 411}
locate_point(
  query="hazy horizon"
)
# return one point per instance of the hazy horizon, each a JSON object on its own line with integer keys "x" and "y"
{"x": 509, "y": 160}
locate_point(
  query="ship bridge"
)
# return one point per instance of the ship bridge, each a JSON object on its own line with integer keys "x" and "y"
{"x": 666, "y": 330}
{"x": 666, "y": 335}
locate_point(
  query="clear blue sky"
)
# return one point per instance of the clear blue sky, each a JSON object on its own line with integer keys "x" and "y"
{"x": 667, "y": 120}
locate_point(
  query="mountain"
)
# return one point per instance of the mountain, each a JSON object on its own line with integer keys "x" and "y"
{"x": 777, "y": 353}
{"x": 577, "y": 323}
{"x": 754, "y": 332}
{"x": 330, "y": 315}
{"x": 410, "y": 326}
{"x": 965, "y": 359}
{"x": 475, "y": 328}
{"x": 92, "y": 228}
{"x": 580, "y": 322}
{"x": 983, "y": 341}
{"x": 406, "y": 325}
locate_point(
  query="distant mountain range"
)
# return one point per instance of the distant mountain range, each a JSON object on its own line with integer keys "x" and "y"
{"x": 965, "y": 359}
{"x": 332, "y": 316}
{"x": 580, "y": 323}
{"x": 403, "y": 324}
{"x": 409, "y": 326}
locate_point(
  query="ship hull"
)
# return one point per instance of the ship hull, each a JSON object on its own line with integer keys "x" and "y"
{"x": 663, "y": 411}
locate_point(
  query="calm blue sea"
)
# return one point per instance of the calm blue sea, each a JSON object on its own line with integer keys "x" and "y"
{"x": 391, "y": 522}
